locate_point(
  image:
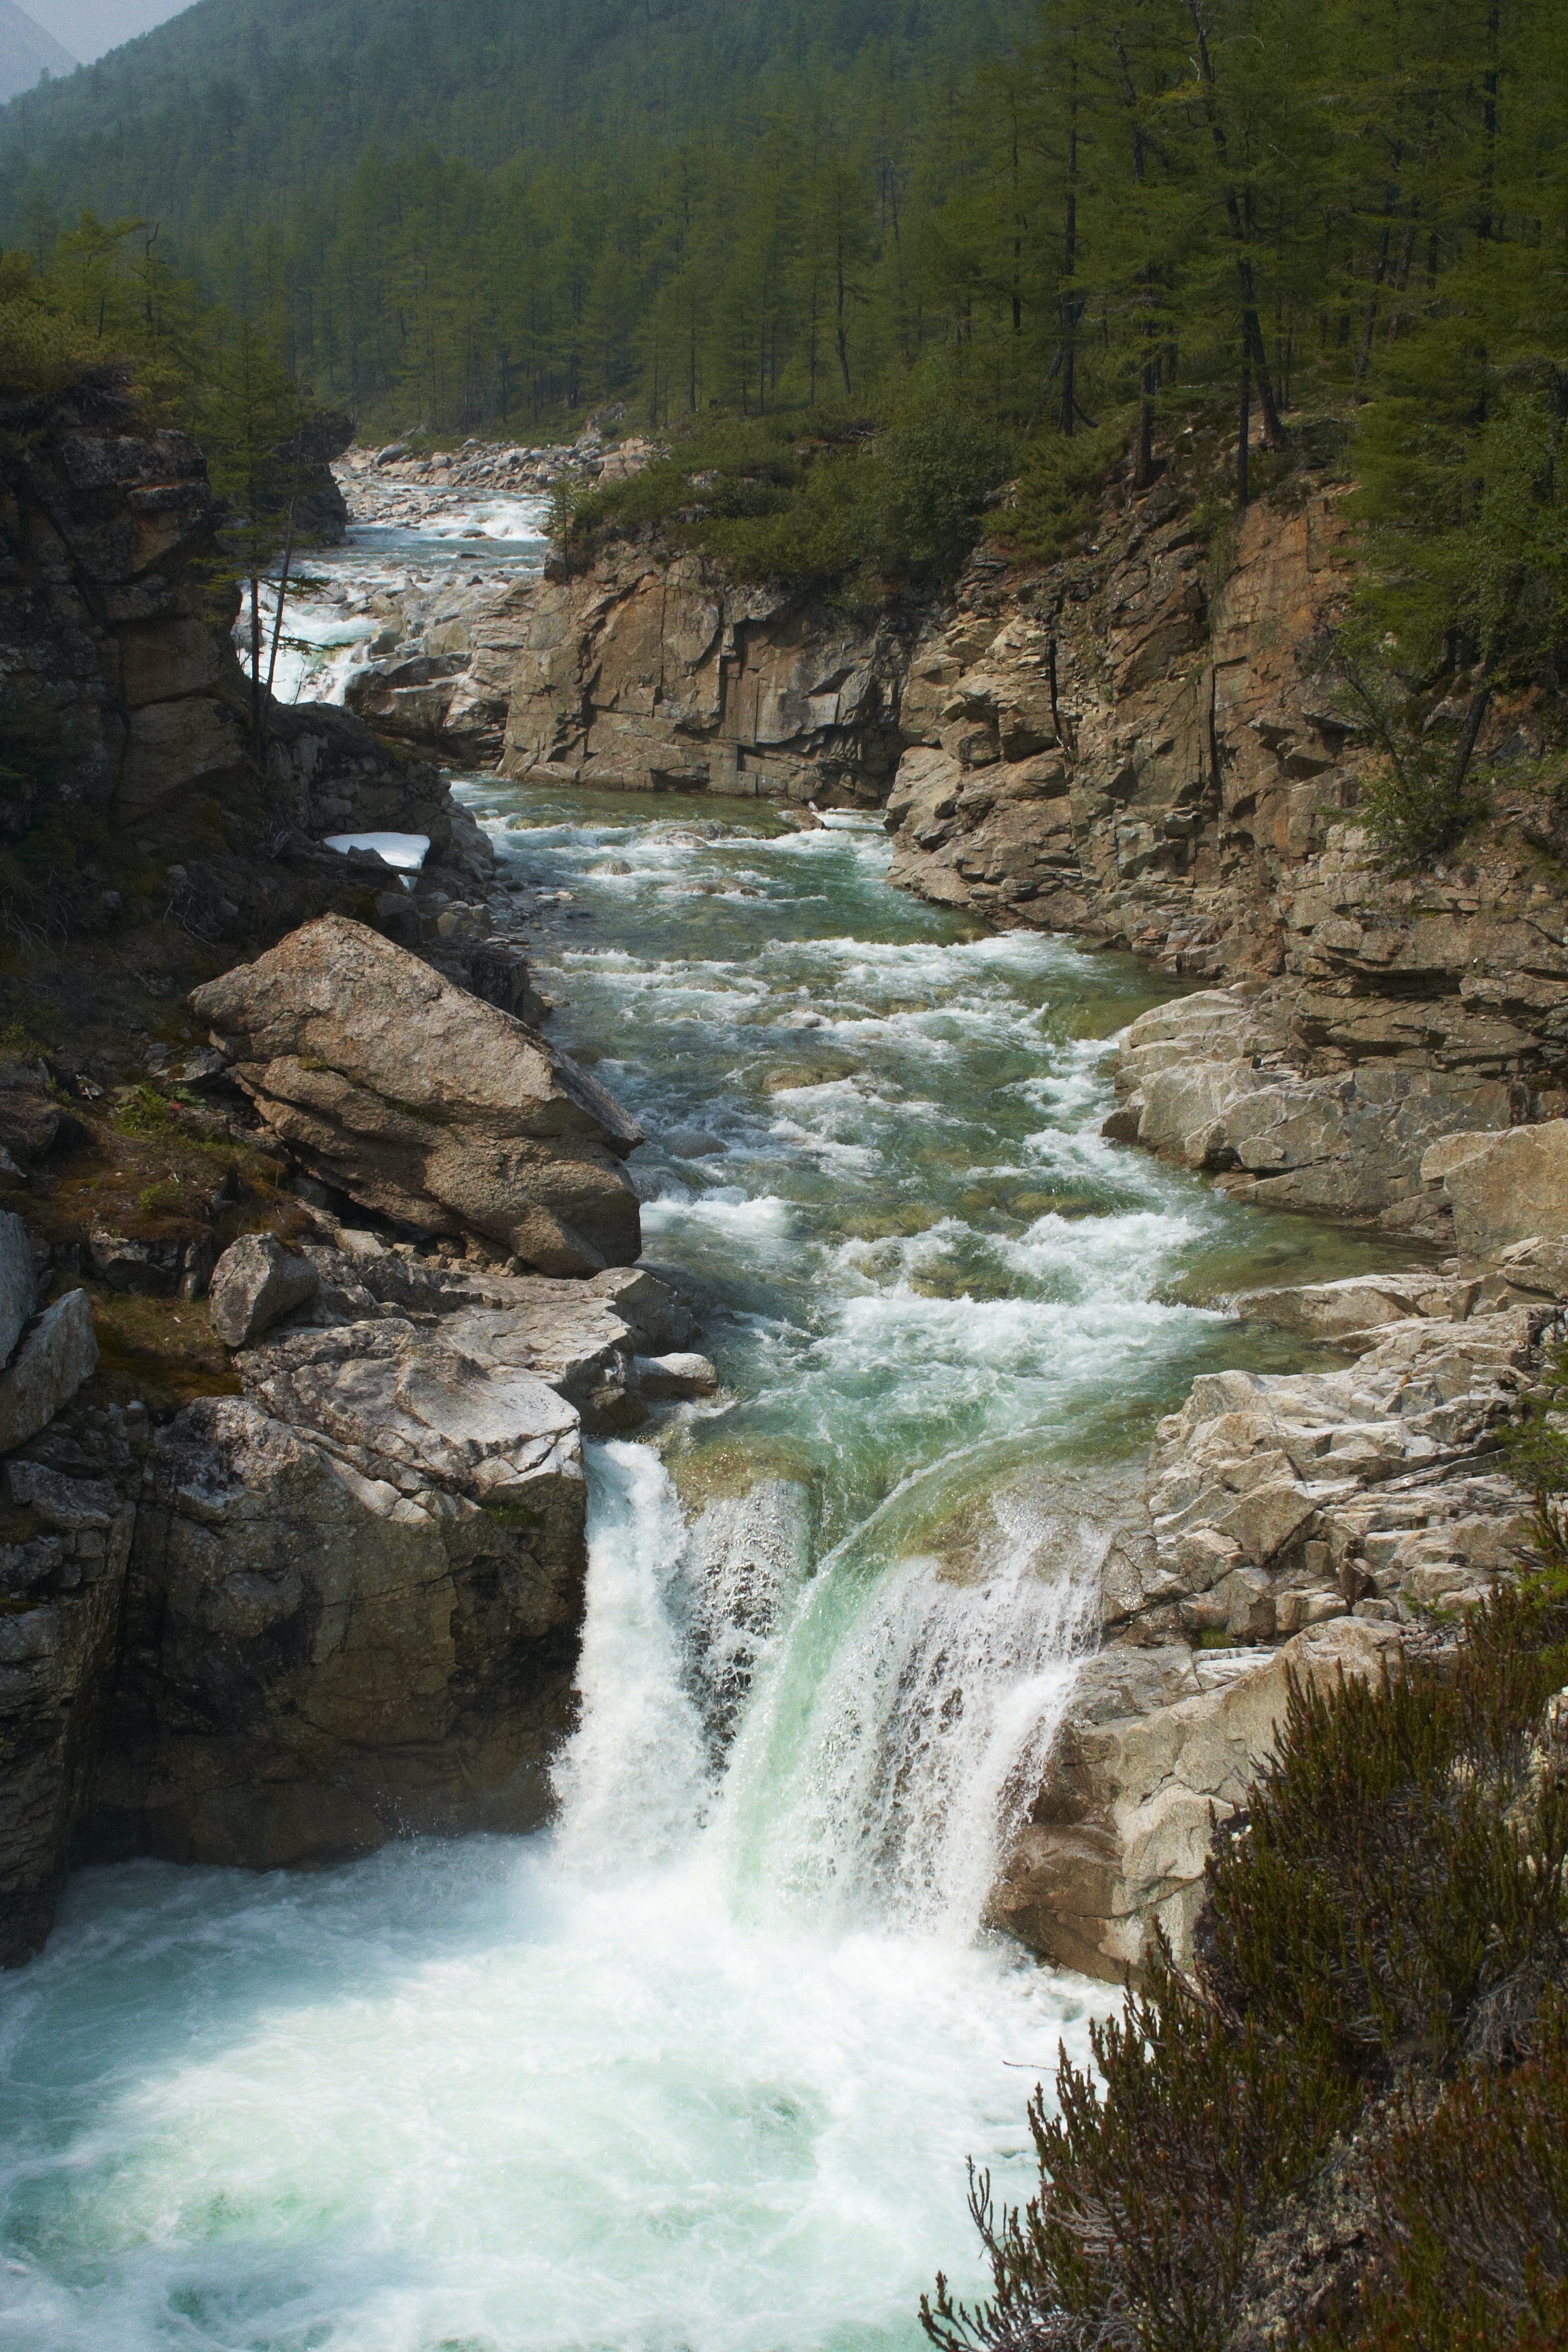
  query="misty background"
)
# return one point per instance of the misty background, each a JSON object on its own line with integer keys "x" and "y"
{"x": 88, "y": 27}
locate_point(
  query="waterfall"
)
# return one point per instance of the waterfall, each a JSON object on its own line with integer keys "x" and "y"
{"x": 888, "y": 1718}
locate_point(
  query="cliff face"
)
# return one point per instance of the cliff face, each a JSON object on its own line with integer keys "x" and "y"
{"x": 1127, "y": 747}
{"x": 647, "y": 677}
{"x": 104, "y": 616}
{"x": 115, "y": 653}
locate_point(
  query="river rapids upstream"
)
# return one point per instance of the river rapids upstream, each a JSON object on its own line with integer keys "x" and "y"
{"x": 697, "y": 2067}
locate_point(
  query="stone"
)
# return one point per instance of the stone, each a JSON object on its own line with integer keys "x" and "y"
{"x": 18, "y": 1282}
{"x": 423, "y": 1104}
{"x": 638, "y": 674}
{"x": 164, "y": 1269}
{"x": 1120, "y": 1833}
{"x": 1453, "y": 1152}
{"x": 1515, "y": 1191}
{"x": 1356, "y": 1310}
{"x": 661, "y": 1378}
{"x": 72, "y": 1505}
{"x": 353, "y": 1606}
{"x": 255, "y": 1283}
{"x": 57, "y": 1356}
{"x": 1265, "y": 1521}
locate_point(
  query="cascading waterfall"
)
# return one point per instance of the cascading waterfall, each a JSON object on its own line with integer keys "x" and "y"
{"x": 697, "y": 2068}
{"x": 894, "y": 1725}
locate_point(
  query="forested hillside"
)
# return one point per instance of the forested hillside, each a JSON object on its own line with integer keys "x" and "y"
{"x": 961, "y": 253}
{"x": 491, "y": 211}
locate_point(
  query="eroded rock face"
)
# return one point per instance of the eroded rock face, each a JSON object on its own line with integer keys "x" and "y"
{"x": 62, "y": 1586}
{"x": 423, "y": 1104}
{"x": 1309, "y": 1522}
{"x": 355, "y": 1597}
{"x": 645, "y": 676}
{"x": 1212, "y": 1082}
{"x": 1159, "y": 1747}
{"x": 103, "y": 610}
{"x": 1121, "y": 747}
{"x": 353, "y": 1609}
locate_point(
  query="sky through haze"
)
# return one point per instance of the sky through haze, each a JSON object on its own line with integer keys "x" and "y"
{"x": 88, "y": 27}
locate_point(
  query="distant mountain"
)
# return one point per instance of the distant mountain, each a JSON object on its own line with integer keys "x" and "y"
{"x": 240, "y": 108}
{"x": 26, "y": 51}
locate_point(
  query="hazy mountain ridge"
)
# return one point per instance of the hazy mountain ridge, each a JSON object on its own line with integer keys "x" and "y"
{"x": 26, "y": 51}
{"x": 142, "y": 129}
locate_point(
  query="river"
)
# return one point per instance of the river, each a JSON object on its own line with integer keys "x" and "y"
{"x": 697, "y": 2068}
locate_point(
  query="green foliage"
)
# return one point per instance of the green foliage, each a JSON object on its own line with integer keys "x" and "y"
{"x": 1537, "y": 1452}
{"x": 1474, "y": 2205}
{"x": 1059, "y": 483}
{"x": 1405, "y": 1862}
{"x": 1151, "y": 2180}
{"x": 863, "y": 501}
{"x": 146, "y": 1113}
{"x": 1417, "y": 795}
{"x": 1381, "y": 1882}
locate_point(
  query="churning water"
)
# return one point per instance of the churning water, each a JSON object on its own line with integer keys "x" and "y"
{"x": 696, "y": 2070}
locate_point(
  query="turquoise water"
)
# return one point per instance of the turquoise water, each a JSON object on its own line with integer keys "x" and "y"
{"x": 698, "y": 2069}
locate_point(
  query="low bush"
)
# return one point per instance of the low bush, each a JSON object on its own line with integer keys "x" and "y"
{"x": 862, "y": 504}
{"x": 1473, "y": 2201}
{"x": 1392, "y": 1910}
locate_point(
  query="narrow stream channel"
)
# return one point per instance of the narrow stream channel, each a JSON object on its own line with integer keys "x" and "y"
{"x": 697, "y": 2069}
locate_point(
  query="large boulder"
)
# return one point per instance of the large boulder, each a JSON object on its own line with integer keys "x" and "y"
{"x": 1504, "y": 1188}
{"x": 57, "y": 1356}
{"x": 353, "y": 1606}
{"x": 426, "y": 1105}
{"x": 1160, "y": 1747}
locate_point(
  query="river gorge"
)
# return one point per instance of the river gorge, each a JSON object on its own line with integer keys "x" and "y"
{"x": 696, "y": 2067}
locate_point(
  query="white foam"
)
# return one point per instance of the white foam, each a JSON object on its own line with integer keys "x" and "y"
{"x": 407, "y": 851}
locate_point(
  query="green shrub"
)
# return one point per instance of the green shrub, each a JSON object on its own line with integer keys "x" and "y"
{"x": 1473, "y": 2199}
{"x": 146, "y": 1113}
{"x": 1402, "y": 1866}
{"x": 1418, "y": 796}
{"x": 861, "y": 503}
{"x": 1151, "y": 2181}
{"x": 1381, "y": 1884}
{"x": 1060, "y": 485}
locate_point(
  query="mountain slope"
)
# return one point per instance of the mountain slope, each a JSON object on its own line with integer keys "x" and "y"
{"x": 240, "y": 101}
{"x": 26, "y": 51}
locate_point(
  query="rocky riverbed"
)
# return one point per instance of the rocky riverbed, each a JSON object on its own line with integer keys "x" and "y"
{"x": 610, "y": 1323}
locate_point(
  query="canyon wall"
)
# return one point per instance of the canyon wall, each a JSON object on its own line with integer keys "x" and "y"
{"x": 643, "y": 675}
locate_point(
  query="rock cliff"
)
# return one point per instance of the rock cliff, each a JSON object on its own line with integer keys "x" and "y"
{"x": 644, "y": 675}
{"x": 1140, "y": 744}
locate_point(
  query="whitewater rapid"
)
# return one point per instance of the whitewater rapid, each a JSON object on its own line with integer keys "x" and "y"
{"x": 695, "y": 2069}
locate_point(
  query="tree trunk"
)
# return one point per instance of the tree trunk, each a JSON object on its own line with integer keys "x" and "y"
{"x": 1243, "y": 437}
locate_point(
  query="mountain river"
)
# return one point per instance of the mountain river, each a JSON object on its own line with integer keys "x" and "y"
{"x": 696, "y": 2068}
